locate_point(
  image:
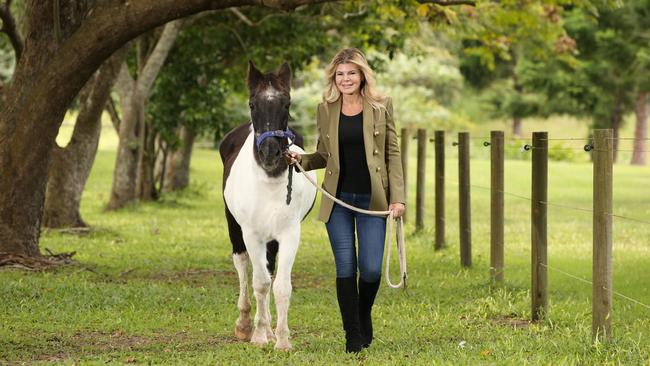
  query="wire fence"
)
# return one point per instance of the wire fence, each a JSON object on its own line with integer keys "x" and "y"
{"x": 558, "y": 270}
{"x": 586, "y": 148}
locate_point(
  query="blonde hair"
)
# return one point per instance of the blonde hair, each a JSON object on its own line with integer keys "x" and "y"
{"x": 367, "y": 90}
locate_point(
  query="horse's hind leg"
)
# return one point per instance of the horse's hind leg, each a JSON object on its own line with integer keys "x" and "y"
{"x": 243, "y": 325}
{"x": 272, "y": 248}
{"x": 271, "y": 254}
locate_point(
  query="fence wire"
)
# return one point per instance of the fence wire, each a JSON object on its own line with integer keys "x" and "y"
{"x": 557, "y": 205}
{"x": 591, "y": 283}
{"x": 586, "y": 148}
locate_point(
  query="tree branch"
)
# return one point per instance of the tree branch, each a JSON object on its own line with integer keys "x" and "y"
{"x": 124, "y": 83}
{"x": 112, "y": 112}
{"x": 157, "y": 58}
{"x": 289, "y": 4}
{"x": 448, "y": 2}
{"x": 110, "y": 25}
{"x": 9, "y": 28}
{"x": 241, "y": 16}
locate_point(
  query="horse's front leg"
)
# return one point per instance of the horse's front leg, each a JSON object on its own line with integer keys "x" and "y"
{"x": 289, "y": 242}
{"x": 261, "y": 287}
{"x": 243, "y": 326}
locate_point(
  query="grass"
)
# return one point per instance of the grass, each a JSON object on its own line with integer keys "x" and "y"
{"x": 155, "y": 283}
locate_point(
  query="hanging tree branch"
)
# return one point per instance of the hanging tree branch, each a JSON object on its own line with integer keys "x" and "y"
{"x": 9, "y": 28}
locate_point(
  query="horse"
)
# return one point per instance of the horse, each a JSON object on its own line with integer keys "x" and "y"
{"x": 265, "y": 203}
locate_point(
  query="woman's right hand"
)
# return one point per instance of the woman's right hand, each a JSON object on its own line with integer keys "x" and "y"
{"x": 293, "y": 157}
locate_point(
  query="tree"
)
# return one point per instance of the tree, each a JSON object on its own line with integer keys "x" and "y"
{"x": 55, "y": 63}
{"x": 70, "y": 165}
{"x": 639, "y": 152}
{"x": 63, "y": 47}
{"x": 132, "y": 177}
{"x": 610, "y": 72}
{"x": 204, "y": 71}
{"x": 498, "y": 40}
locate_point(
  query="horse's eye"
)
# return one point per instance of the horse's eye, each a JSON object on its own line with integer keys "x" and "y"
{"x": 251, "y": 105}
{"x": 286, "y": 106}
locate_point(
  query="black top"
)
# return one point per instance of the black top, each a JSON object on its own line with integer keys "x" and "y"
{"x": 355, "y": 177}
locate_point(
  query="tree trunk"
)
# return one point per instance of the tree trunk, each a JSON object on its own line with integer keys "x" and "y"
{"x": 177, "y": 171}
{"x": 52, "y": 69}
{"x": 617, "y": 118}
{"x": 29, "y": 122}
{"x": 516, "y": 126}
{"x": 127, "y": 177}
{"x": 70, "y": 166}
{"x": 640, "y": 154}
{"x": 146, "y": 184}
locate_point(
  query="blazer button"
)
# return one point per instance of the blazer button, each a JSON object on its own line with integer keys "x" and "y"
{"x": 327, "y": 136}
{"x": 376, "y": 133}
{"x": 329, "y": 172}
{"x": 378, "y": 169}
{"x": 329, "y": 155}
{"x": 375, "y": 152}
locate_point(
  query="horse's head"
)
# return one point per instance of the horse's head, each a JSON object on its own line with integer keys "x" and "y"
{"x": 269, "y": 102}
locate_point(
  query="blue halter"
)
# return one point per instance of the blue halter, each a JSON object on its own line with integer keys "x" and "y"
{"x": 277, "y": 133}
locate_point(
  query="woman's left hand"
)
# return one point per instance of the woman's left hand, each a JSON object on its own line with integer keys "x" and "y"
{"x": 397, "y": 208}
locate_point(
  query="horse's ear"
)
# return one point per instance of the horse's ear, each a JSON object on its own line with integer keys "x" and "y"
{"x": 254, "y": 76}
{"x": 285, "y": 74}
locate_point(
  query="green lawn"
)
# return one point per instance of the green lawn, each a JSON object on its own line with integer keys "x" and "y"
{"x": 155, "y": 282}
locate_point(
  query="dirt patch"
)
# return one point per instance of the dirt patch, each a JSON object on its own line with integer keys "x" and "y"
{"x": 512, "y": 321}
{"x": 57, "y": 347}
{"x": 195, "y": 277}
{"x": 203, "y": 277}
{"x": 308, "y": 280}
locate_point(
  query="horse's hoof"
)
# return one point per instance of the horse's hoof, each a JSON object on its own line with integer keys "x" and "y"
{"x": 269, "y": 334}
{"x": 259, "y": 338}
{"x": 283, "y": 346}
{"x": 243, "y": 333}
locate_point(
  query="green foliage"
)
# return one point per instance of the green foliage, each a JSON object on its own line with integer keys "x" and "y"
{"x": 501, "y": 41}
{"x": 610, "y": 67}
{"x": 505, "y": 101}
{"x": 561, "y": 152}
{"x": 191, "y": 88}
{"x": 514, "y": 150}
{"x": 7, "y": 60}
{"x": 203, "y": 82}
{"x": 423, "y": 88}
{"x": 7, "y": 57}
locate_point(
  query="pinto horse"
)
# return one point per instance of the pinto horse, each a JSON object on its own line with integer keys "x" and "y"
{"x": 265, "y": 204}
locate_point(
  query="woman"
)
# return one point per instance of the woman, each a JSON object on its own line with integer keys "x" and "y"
{"x": 357, "y": 145}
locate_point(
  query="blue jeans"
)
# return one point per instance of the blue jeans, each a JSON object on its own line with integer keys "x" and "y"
{"x": 371, "y": 232}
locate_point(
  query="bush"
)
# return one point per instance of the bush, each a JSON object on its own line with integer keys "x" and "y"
{"x": 560, "y": 152}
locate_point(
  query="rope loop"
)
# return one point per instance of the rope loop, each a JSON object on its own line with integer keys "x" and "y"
{"x": 401, "y": 243}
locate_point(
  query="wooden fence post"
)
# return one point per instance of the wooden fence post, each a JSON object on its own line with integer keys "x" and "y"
{"x": 464, "y": 203}
{"x": 419, "y": 191}
{"x": 404, "y": 148}
{"x": 602, "y": 252}
{"x": 440, "y": 188}
{"x": 538, "y": 225}
{"x": 496, "y": 206}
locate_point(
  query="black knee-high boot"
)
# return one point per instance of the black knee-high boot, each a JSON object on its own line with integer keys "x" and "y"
{"x": 367, "y": 293}
{"x": 348, "y": 296}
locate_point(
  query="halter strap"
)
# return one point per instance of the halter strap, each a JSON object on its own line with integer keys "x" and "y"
{"x": 277, "y": 133}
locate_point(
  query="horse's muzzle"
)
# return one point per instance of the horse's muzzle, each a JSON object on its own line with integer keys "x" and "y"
{"x": 271, "y": 154}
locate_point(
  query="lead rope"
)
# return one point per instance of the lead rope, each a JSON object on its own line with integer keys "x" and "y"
{"x": 401, "y": 243}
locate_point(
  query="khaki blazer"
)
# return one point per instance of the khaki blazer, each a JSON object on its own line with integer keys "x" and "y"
{"x": 382, "y": 155}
